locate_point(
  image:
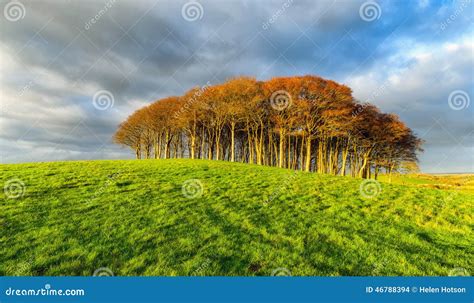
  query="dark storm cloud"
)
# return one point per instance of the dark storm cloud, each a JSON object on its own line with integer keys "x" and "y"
{"x": 60, "y": 54}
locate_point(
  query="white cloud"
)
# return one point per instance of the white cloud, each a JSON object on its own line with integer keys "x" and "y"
{"x": 419, "y": 93}
{"x": 52, "y": 78}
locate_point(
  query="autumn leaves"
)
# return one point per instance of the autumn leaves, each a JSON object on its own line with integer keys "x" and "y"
{"x": 306, "y": 123}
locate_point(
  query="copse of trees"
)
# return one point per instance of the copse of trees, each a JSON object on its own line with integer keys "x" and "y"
{"x": 302, "y": 123}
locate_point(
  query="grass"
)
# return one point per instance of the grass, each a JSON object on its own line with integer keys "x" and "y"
{"x": 133, "y": 218}
{"x": 464, "y": 182}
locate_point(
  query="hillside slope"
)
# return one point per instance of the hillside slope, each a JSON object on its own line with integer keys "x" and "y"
{"x": 195, "y": 217}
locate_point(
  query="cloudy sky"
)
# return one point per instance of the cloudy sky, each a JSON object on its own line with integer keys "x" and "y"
{"x": 72, "y": 70}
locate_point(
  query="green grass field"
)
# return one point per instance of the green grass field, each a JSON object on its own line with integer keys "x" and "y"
{"x": 463, "y": 182}
{"x": 136, "y": 218}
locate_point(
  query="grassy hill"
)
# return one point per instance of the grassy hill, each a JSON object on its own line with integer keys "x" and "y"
{"x": 463, "y": 182}
{"x": 195, "y": 217}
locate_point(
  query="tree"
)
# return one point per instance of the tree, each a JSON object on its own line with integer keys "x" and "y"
{"x": 307, "y": 123}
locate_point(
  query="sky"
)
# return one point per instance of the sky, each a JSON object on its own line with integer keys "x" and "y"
{"x": 71, "y": 71}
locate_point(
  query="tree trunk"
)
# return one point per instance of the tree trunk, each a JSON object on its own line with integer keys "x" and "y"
{"x": 362, "y": 168}
{"x": 344, "y": 160}
{"x": 147, "y": 151}
{"x": 167, "y": 145}
{"x": 308, "y": 154}
{"x": 232, "y": 141}
{"x": 159, "y": 145}
{"x": 203, "y": 143}
{"x": 301, "y": 153}
{"x": 193, "y": 146}
{"x": 209, "y": 151}
{"x": 282, "y": 147}
{"x": 138, "y": 151}
{"x": 270, "y": 149}
{"x": 249, "y": 141}
{"x": 390, "y": 169}
{"x": 218, "y": 145}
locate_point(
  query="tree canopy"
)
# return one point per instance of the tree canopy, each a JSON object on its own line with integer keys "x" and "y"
{"x": 304, "y": 123}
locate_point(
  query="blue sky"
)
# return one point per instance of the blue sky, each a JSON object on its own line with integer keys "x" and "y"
{"x": 413, "y": 58}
